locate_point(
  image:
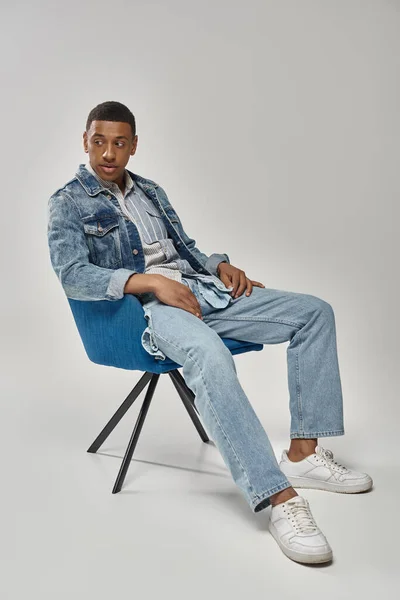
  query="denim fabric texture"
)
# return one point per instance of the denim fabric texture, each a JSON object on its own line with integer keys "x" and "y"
{"x": 94, "y": 249}
{"x": 160, "y": 254}
{"x": 267, "y": 316}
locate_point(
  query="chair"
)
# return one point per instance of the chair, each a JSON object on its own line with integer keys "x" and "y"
{"x": 111, "y": 334}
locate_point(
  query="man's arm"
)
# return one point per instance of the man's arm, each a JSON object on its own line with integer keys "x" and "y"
{"x": 69, "y": 255}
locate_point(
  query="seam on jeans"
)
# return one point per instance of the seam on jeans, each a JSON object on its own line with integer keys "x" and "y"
{"x": 211, "y": 408}
{"x": 266, "y": 320}
{"x": 299, "y": 404}
{"x": 316, "y": 433}
{"x": 271, "y": 492}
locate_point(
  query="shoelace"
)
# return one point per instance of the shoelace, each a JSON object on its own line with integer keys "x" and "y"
{"x": 327, "y": 455}
{"x": 301, "y": 517}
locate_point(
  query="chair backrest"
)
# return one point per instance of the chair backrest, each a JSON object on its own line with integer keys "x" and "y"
{"x": 111, "y": 333}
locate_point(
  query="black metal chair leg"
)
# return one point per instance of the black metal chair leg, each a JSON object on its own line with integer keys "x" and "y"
{"x": 183, "y": 390}
{"x": 187, "y": 389}
{"x": 115, "y": 419}
{"x": 135, "y": 435}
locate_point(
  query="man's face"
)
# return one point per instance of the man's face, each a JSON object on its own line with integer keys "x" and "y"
{"x": 110, "y": 145}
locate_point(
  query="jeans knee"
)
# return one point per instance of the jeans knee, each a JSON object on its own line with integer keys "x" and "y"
{"x": 212, "y": 354}
{"x": 316, "y": 303}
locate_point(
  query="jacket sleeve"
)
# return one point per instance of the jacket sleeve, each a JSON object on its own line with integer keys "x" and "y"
{"x": 69, "y": 255}
{"x": 209, "y": 262}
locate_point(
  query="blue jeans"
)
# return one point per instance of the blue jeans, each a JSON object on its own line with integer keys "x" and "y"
{"x": 267, "y": 316}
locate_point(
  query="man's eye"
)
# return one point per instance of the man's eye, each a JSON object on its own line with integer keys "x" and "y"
{"x": 97, "y": 142}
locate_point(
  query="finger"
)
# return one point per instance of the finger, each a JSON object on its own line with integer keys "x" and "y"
{"x": 195, "y": 304}
{"x": 193, "y": 309}
{"x": 235, "y": 283}
{"x": 186, "y": 302}
{"x": 198, "y": 311}
{"x": 249, "y": 288}
{"x": 242, "y": 285}
{"x": 226, "y": 280}
{"x": 257, "y": 284}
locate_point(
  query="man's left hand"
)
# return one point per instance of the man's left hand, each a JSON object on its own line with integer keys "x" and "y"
{"x": 232, "y": 276}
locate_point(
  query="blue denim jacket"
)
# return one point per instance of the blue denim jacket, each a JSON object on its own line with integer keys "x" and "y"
{"x": 94, "y": 248}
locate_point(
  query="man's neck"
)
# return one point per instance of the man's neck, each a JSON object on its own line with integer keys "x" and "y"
{"x": 121, "y": 185}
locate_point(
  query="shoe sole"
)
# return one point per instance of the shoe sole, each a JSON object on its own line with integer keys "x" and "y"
{"x": 307, "y": 482}
{"x": 301, "y": 557}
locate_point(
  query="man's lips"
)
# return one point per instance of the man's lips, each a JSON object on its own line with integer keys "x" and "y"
{"x": 108, "y": 169}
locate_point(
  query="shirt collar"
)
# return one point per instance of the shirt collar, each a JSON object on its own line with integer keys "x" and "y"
{"x": 111, "y": 185}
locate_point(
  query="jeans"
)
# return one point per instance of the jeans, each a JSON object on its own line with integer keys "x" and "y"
{"x": 267, "y": 316}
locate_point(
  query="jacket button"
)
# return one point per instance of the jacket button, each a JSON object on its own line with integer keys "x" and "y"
{"x": 108, "y": 196}
{"x": 135, "y": 251}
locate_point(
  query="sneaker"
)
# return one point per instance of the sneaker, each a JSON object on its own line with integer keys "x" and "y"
{"x": 321, "y": 472}
{"x": 293, "y": 527}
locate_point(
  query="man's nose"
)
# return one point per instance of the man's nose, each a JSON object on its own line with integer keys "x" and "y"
{"x": 109, "y": 153}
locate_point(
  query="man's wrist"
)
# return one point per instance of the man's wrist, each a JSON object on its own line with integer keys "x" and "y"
{"x": 219, "y": 264}
{"x": 140, "y": 283}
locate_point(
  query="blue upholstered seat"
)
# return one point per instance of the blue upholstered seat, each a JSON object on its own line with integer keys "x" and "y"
{"x": 111, "y": 334}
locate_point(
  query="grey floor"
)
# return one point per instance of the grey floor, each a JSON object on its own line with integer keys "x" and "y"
{"x": 179, "y": 527}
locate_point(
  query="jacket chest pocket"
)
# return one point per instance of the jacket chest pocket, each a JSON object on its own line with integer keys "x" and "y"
{"x": 154, "y": 228}
{"x": 103, "y": 239}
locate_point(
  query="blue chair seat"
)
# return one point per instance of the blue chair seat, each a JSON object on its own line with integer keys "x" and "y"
{"x": 111, "y": 333}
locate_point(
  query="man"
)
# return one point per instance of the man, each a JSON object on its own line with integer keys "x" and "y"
{"x": 112, "y": 232}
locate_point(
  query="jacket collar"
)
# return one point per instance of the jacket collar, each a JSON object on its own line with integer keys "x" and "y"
{"x": 92, "y": 186}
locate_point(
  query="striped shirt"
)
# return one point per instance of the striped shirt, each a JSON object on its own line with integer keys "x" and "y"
{"x": 161, "y": 255}
{"x": 159, "y": 250}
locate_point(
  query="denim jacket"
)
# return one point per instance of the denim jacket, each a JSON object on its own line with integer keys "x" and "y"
{"x": 95, "y": 248}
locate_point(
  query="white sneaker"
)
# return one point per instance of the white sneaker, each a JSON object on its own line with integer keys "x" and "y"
{"x": 319, "y": 471}
{"x": 292, "y": 525}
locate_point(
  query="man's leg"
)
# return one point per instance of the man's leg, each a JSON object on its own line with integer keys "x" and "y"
{"x": 229, "y": 418}
{"x": 266, "y": 316}
{"x": 270, "y": 316}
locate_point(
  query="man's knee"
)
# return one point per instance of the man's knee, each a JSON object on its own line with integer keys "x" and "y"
{"x": 315, "y": 303}
{"x": 210, "y": 352}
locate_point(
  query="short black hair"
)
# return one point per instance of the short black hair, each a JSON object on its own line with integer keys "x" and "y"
{"x": 112, "y": 111}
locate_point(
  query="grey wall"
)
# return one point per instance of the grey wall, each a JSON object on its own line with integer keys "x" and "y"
{"x": 277, "y": 119}
{"x": 280, "y": 119}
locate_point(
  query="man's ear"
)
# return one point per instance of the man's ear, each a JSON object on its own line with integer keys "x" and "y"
{"x": 134, "y": 145}
{"x": 85, "y": 142}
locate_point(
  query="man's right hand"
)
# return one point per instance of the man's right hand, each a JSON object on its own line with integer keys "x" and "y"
{"x": 165, "y": 289}
{"x": 176, "y": 294}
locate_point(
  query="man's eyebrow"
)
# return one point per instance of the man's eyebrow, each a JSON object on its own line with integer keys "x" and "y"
{"x": 117, "y": 137}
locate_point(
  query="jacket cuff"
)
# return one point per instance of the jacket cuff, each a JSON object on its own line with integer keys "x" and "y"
{"x": 214, "y": 260}
{"x": 115, "y": 289}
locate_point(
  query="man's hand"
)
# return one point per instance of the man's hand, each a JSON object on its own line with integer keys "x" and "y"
{"x": 176, "y": 294}
{"x": 232, "y": 276}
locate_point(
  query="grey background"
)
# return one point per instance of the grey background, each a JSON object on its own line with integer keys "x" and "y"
{"x": 274, "y": 128}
